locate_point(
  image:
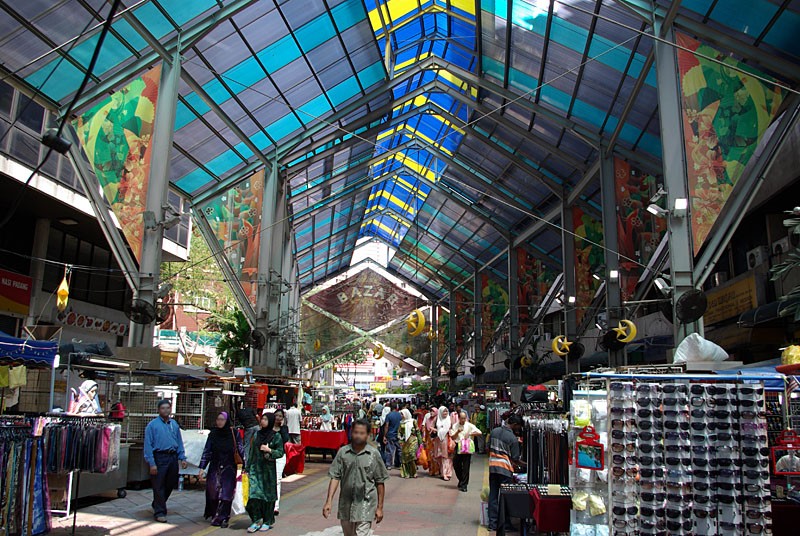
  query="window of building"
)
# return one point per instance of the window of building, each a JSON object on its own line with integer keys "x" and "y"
{"x": 29, "y": 114}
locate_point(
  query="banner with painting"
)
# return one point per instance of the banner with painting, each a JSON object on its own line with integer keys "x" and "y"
{"x": 534, "y": 281}
{"x": 116, "y": 136}
{"x": 639, "y": 231}
{"x": 463, "y": 322}
{"x": 725, "y": 115}
{"x": 589, "y": 256}
{"x": 494, "y": 304}
{"x": 443, "y": 332}
{"x": 235, "y": 220}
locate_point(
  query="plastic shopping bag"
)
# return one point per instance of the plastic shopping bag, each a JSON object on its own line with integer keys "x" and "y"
{"x": 239, "y": 496}
{"x": 422, "y": 457}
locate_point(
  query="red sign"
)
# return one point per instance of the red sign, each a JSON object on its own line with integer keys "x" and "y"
{"x": 366, "y": 300}
{"x": 15, "y": 292}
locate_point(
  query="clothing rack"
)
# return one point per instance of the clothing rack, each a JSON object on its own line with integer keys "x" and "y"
{"x": 546, "y": 447}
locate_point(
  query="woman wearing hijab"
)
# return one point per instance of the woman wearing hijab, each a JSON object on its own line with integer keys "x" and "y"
{"x": 440, "y": 443}
{"x": 266, "y": 448}
{"x": 219, "y": 455}
{"x": 430, "y": 433}
{"x": 409, "y": 438}
{"x": 84, "y": 400}
{"x": 280, "y": 463}
{"x": 327, "y": 420}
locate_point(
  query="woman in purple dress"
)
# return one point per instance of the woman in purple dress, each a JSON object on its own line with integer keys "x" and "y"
{"x": 219, "y": 456}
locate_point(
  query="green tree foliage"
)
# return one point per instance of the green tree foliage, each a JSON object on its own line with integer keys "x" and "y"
{"x": 199, "y": 280}
{"x": 234, "y": 346}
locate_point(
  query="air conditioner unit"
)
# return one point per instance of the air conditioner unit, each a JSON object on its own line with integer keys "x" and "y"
{"x": 780, "y": 247}
{"x": 756, "y": 256}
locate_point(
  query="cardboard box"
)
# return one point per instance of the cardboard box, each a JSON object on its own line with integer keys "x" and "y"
{"x": 484, "y": 513}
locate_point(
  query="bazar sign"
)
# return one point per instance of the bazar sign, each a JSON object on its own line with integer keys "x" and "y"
{"x": 731, "y": 300}
{"x": 15, "y": 292}
{"x": 366, "y": 300}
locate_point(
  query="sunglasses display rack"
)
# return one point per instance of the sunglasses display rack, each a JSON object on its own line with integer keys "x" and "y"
{"x": 687, "y": 458}
{"x": 590, "y": 507}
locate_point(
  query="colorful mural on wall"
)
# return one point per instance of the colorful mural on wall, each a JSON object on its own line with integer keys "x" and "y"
{"x": 443, "y": 332}
{"x": 639, "y": 231}
{"x": 535, "y": 280}
{"x": 494, "y": 304}
{"x": 588, "y": 257}
{"x": 235, "y": 219}
{"x": 116, "y": 136}
{"x": 725, "y": 114}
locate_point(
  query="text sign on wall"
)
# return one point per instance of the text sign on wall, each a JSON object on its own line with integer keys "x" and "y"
{"x": 15, "y": 292}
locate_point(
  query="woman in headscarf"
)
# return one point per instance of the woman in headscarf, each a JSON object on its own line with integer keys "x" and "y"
{"x": 266, "y": 448}
{"x": 84, "y": 400}
{"x": 280, "y": 463}
{"x": 248, "y": 420}
{"x": 430, "y": 433}
{"x": 327, "y": 420}
{"x": 440, "y": 443}
{"x": 219, "y": 456}
{"x": 409, "y": 442}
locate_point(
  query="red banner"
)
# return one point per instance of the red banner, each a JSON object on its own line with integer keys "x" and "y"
{"x": 639, "y": 231}
{"x": 589, "y": 256}
{"x": 15, "y": 292}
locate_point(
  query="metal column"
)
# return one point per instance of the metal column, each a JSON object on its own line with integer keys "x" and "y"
{"x": 258, "y": 358}
{"x": 41, "y": 237}
{"x": 568, "y": 259}
{"x": 451, "y": 337}
{"x": 276, "y": 286}
{"x": 513, "y": 304}
{"x": 675, "y": 177}
{"x": 436, "y": 366}
{"x": 613, "y": 290}
{"x": 153, "y": 238}
{"x": 477, "y": 319}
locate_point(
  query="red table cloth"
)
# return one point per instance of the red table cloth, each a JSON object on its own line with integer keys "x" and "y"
{"x": 317, "y": 439}
{"x": 295, "y": 459}
{"x": 551, "y": 512}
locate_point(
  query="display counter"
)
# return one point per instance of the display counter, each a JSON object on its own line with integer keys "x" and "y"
{"x": 323, "y": 442}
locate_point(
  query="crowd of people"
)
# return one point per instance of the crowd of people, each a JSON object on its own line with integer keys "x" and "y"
{"x": 383, "y": 437}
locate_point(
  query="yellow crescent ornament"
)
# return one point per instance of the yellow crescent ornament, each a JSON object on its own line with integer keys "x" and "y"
{"x": 379, "y": 351}
{"x": 416, "y": 323}
{"x": 317, "y": 345}
{"x": 409, "y": 350}
{"x": 431, "y": 335}
{"x": 626, "y": 331}
{"x": 561, "y": 346}
{"x": 526, "y": 362}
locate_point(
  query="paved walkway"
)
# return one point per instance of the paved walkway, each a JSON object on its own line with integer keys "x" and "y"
{"x": 418, "y": 507}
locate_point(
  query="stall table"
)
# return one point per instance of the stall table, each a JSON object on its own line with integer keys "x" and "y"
{"x": 323, "y": 442}
{"x": 551, "y": 512}
{"x": 515, "y": 502}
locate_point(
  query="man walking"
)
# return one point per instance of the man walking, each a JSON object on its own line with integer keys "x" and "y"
{"x": 163, "y": 448}
{"x": 504, "y": 454}
{"x": 390, "y": 438}
{"x": 360, "y": 471}
{"x": 293, "y": 424}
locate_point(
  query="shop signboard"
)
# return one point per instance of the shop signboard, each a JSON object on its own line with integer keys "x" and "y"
{"x": 366, "y": 300}
{"x": 377, "y": 386}
{"x": 731, "y": 300}
{"x": 15, "y": 292}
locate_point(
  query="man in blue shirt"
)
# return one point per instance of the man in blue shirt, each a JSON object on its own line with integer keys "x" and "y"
{"x": 163, "y": 447}
{"x": 390, "y": 428}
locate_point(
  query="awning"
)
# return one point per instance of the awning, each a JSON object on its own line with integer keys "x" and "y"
{"x": 766, "y": 313}
{"x": 30, "y": 353}
{"x": 772, "y": 378}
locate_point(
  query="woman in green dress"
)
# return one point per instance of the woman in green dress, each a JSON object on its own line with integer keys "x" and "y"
{"x": 410, "y": 440}
{"x": 267, "y": 446}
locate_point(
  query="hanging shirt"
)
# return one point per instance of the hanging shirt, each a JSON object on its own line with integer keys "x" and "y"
{"x": 162, "y": 436}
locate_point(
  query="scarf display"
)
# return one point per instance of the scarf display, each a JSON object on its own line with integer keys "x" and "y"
{"x": 443, "y": 424}
{"x": 79, "y": 445}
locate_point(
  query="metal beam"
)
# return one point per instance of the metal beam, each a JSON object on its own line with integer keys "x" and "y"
{"x": 637, "y": 87}
{"x": 568, "y": 256}
{"x": 613, "y": 289}
{"x": 187, "y": 38}
{"x": 744, "y": 192}
{"x": 537, "y": 225}
{"x": 583, "y": 183}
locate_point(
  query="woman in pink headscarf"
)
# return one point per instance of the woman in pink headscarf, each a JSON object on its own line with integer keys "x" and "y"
{"x": 222, "y": 446}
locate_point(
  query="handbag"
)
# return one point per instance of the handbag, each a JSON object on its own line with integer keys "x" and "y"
{"x": 451, "y": 446}
{"x": 237, "y": 458}
{"x": 466, "y": 446}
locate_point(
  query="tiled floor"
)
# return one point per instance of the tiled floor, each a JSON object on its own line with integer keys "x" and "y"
{"x": 423, "y": 506}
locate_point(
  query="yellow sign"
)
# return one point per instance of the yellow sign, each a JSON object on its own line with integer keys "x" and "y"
{"x": 377, "y": 386}
{"x": 731, "y": 300}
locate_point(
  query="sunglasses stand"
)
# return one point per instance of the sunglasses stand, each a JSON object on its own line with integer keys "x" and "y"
{"x": 686, "y": 455}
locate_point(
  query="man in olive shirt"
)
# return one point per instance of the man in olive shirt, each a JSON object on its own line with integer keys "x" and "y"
{"x": 360, "y": 470}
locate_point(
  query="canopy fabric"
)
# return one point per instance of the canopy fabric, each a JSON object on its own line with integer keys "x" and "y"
{"x": 33, "y": 354}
